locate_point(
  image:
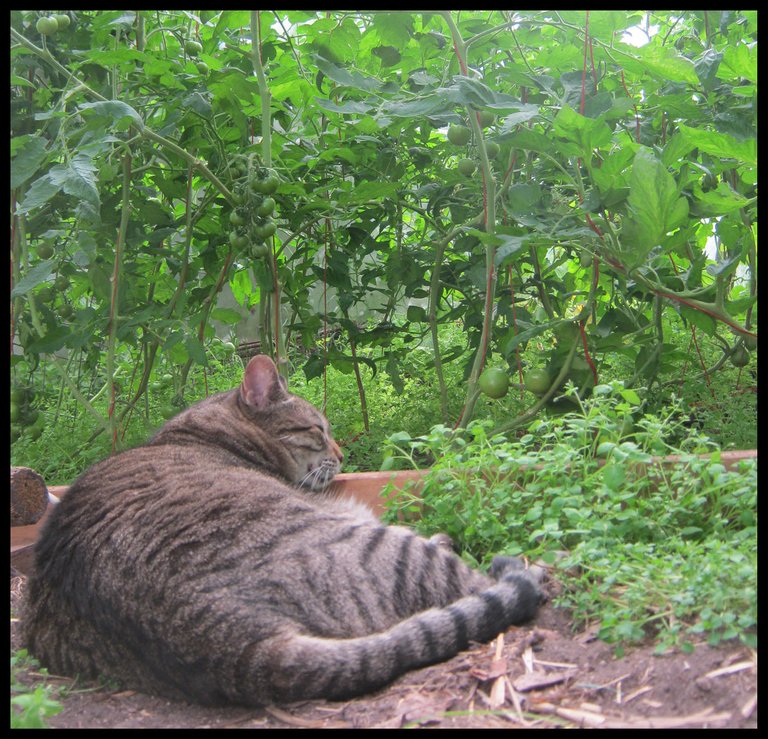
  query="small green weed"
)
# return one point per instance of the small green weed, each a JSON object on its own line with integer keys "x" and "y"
{"x": 31, "y": 707}
{"x": 668, "y": 551}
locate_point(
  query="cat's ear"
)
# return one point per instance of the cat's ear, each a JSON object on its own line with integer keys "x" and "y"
{"x": 262, "y": 384}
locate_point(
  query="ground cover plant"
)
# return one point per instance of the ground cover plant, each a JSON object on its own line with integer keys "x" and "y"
{"x": 641, "y": 550}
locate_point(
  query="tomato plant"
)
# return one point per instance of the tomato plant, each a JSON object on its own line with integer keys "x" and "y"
{"x": 615, "y": 182}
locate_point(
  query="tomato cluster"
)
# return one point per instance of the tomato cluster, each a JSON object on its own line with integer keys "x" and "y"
{"x": 251, "y": 220}
{"x": 47, "y": 25}
{"x": 460, "y": 135}
{"x": 24, "y": 418}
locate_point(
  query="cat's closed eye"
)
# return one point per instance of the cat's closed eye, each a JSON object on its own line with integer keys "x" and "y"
{"x": 312, "y": 437}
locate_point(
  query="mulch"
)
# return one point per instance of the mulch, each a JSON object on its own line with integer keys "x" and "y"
{"x": 539, "y": 676}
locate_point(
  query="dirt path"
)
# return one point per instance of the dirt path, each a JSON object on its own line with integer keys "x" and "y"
{"x": 538, "y": 676}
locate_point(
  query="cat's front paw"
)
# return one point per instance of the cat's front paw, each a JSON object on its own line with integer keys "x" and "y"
{"x": 443, "y": 540}
{"x": 505, "y": 568}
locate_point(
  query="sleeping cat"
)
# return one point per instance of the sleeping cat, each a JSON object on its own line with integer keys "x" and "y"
{"x": 208, "y": 565}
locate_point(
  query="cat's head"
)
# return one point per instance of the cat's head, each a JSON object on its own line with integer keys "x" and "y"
{"x": 297, "y": 431}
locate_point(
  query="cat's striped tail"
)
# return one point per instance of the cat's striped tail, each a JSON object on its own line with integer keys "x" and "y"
{"x": 302, "y": 667}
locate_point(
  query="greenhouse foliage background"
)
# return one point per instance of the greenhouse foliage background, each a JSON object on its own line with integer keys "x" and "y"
{"x": 558, "y": 185}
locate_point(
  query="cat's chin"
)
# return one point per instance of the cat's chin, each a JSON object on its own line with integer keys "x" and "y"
{"x": 319, "y": 478}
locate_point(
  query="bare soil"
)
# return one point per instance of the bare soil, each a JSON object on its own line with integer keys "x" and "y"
{"x": 539, "y": 676}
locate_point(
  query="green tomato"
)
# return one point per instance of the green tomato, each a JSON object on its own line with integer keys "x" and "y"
{"x": 193, "y": 48}
{"x": 750, "y": 342}
{"x": 266, "y": 207}
{"x": 63, "y": 20}
{"x": 15, "y": 412}
{"x": 202, "y": 67}
{"x": 492, "y": 149}
{"x": 47, "y": 25}
{"x": 228, "y": 347}
{"x": 238, "y": 241}
{"x": 257, "y": 251}
{"x": 236, "y": 219}
{"x": 459, "y": 135}
{"x": 585, "y": 260}
{"x": 18, "y": 394}
{"x": 537, "y": 381}
{"x": 740, "y": 356}
{"x": 66, "y": 311}
{"x": 46, "y": 294}
{"x": 269, "y": 184}
{"x": 45, "y": 251}
{"x": 486, "y": 118}
{"x": 494, "y": 382}
{"x": 266, "y": 229}
{"x": 61, "y": 282}
{"x": 467, "y": 167}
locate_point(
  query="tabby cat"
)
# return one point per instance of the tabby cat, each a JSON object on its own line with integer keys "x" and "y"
{"x": 209, "y": 565}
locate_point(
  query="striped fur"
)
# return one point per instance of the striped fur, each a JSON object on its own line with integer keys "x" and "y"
{"x": 208, "y": 565}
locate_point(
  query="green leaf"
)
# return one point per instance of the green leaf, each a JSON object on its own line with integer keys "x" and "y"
{"x": 77, "y": 178}
{"x": 313, "y": 367}
{"x": 655, "y": 208}
{"x": 529, "y": 140}
{"x": 663, "y": 62}
{"x": 369, "y": 191}
{"x": 38, "y": 274}
{"x": 348, "y": 106}
{"x": 587, "y": 133}
{"x": 199, "y": 104}
{"x": 721, "y": 145}
{"x": 29, "y": 153}
{"x": 429, "y": 104}
{"x": 701, "y": 320}
{"x": 226, "y": 315}
{"x": 721, "y": 201}
{"x": 476, "y": 94}
{"x": 524, "y": 198}
{"x": 51, "y": 342}
{"x": 393, "y": 370}
{"x": 510, "y": 247}
{"x": 740, "y": 61}
{"x": 115, "y": 109}
{"x": 195, "y": 350}
{"x": 509, "y": 345}
{"x": 340, "y": 75}
{"x": 389, "y": 55}
{"x": 727, "y": 266}
{"x": 524, "y": 114}
{"x": 676, "y": 149}
{"x": 630, "y": 396}
{"x": 242, "y": 287}
{"x": 39, "y": 193}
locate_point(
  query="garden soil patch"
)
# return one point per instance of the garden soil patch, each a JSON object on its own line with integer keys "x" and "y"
{"x": 538, "y": 676}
